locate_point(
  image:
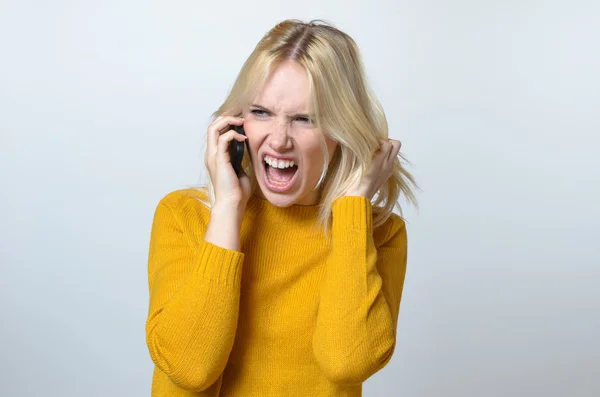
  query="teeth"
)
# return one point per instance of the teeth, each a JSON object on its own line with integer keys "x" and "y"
{"x": 278, "y": 164}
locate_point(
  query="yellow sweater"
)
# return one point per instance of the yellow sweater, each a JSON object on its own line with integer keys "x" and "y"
{"x": 292, "y": 314}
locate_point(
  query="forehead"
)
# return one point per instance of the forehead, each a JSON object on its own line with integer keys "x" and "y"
{"x": 287, "y": 89}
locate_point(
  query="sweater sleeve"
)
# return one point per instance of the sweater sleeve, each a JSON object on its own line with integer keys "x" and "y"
{"x": 194, "y": 303}
{"x": 355, "y": 334}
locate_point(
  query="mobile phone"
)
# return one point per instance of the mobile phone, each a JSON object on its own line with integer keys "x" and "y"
{"x": 236, "y": 150}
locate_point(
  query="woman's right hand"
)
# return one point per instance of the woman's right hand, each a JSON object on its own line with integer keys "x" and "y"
{"x": 230, "y": 191}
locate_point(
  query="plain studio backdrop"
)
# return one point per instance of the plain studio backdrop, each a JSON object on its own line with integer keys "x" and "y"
{"x": 104, "y": 108}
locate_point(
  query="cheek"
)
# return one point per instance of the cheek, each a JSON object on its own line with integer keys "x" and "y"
{"x": 312, "y": 158}
{"x": 313, "y": 151}
{"x": 252, "y": 132}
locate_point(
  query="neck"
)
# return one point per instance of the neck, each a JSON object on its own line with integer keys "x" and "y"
{"x": 313, "y": 198}
{"x": 296, "y": 214}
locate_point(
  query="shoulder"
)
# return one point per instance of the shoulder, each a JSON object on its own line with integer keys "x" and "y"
{"x": 391, "y": 232}
{"x": 187, "y": 205}
{"x": 177, "y": 199}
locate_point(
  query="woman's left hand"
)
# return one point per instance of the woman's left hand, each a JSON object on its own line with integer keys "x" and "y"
{"x": 379, "y": 171}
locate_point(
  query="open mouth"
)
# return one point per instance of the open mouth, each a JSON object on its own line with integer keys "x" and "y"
{"x": 279, "y": 174}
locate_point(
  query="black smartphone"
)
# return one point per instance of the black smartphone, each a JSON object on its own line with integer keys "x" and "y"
{"x": 236, "y": 150}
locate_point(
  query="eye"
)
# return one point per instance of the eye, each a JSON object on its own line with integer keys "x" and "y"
{"x": 304, "y": 120}
{"x": 258, "y": 112}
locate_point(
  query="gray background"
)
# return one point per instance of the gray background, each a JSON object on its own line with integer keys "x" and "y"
{"x": 103, "y": 110}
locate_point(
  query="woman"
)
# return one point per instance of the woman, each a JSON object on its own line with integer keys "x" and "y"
{"x": 287, "y": 280}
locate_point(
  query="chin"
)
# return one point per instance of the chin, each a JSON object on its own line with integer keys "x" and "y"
{"x": 280, "y": 199}
{"x": 282, "y": 202}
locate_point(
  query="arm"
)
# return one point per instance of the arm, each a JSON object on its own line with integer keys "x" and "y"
{"x": 355, "y": 334}
{"x": 194, "y": 303}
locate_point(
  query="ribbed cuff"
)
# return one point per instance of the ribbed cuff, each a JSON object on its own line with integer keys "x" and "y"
{"x": 352, "y": 212}
{"x": 219, "y": 264}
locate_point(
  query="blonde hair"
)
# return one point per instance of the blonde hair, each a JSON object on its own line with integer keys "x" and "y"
{"x": 344, "y": 106}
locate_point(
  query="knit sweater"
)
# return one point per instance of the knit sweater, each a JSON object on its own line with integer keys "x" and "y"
{"x": 293, "y": 314}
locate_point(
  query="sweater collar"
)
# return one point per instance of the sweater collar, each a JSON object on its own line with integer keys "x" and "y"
{"x": 259, "y": 207}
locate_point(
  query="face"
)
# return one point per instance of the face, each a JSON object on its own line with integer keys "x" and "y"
{"x": 284, "y": 143}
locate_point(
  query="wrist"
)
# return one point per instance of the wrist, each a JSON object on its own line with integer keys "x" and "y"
{"x": 224, "y": 211}
{"x": 352, "y": 212}
{"x": 224, "y": 227}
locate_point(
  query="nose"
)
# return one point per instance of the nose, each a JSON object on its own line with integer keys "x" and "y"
{"x": 279, "y": 138}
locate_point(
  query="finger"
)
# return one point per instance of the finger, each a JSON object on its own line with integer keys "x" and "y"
{"x": 219, "y": 126}
{"x": 396, "y": 145}
{"x": 386, "y": 148}
{"x": 220, "y": 152}
{"x": 225, "y": 139}
{"x": 396, "y": 142}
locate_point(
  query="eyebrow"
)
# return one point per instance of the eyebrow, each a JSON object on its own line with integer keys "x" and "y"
{"x": 254, "y": 105}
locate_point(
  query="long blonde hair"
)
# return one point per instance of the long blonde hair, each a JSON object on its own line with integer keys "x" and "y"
{"x": 344, "y": 106}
